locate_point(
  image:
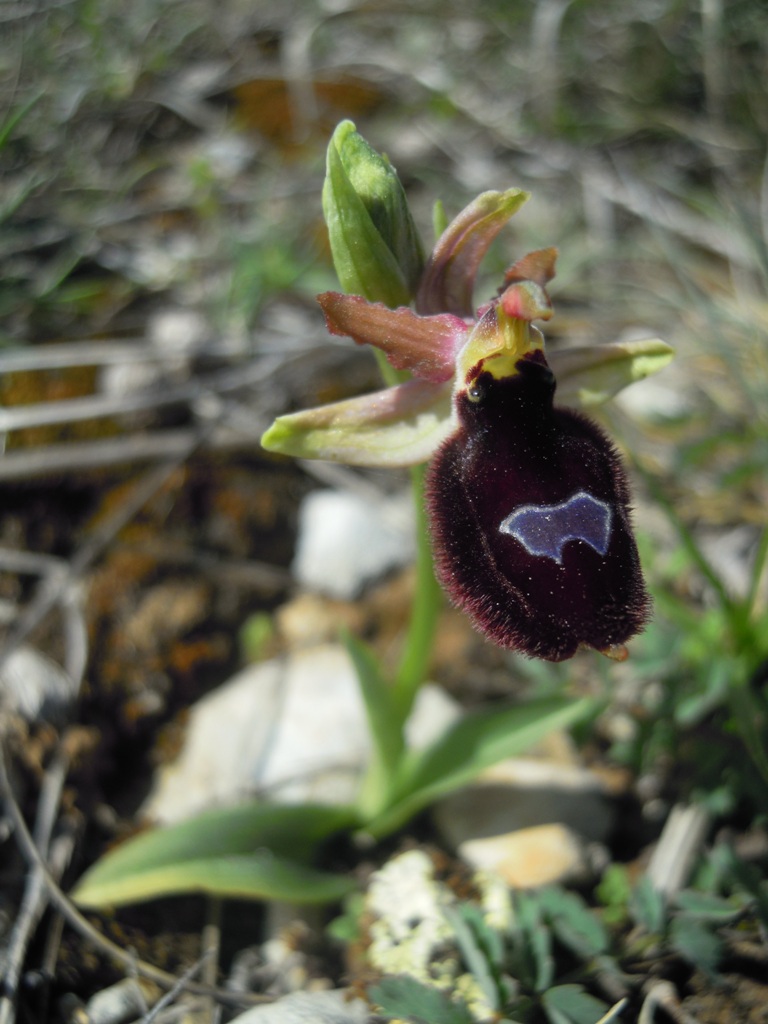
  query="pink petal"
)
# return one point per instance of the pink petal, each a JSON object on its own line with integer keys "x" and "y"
{"x": 449, "y": 276}
{"x": 425, "y": 345}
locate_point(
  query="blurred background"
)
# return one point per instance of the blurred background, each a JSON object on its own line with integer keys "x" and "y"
{"x": 162, "y": 241}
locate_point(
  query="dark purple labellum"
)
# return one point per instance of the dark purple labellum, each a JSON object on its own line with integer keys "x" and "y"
{"x": 529, "y": 507}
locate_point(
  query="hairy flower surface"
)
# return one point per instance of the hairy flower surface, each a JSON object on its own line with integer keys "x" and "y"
{"x": 528, "y": 502}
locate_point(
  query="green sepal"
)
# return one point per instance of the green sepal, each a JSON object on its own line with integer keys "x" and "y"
{"x": 593, "y": 374}
{"x": 401, "y": 426}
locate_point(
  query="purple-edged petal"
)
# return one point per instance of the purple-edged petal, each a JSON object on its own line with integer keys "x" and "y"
{"x": 526, "y": 300}
{"x": 449, "y": 276}
{"x": 400, "y": 426}
{"x": 538, "y": 266}
{"x": 425, "y": 345}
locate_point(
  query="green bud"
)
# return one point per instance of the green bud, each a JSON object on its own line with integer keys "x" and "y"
{"x": 375, "y": 247}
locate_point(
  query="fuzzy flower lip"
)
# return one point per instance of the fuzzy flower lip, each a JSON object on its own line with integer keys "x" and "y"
{"x": 445, "y": 343}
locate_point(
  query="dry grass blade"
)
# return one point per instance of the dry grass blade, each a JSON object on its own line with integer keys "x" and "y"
{"x": 35, "y": 896}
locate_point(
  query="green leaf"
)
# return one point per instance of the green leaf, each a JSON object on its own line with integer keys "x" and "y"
{"x": 593, "y": 374}
{"x": 532, "y": 958}
{"x": 400, "y": 426}
{"x": 384, "y": 724}
{"x": 477, "y": 741}
{"x": 408, "y": 999}
{"x": 375, "y": 246}
{"x": 221, "y": 835}
{"x": 647, "y": 907}
{"x": 705, "y": 906}
{"x": 258, "y": 875}
{"x": 476, "y": 943}
{"x": 574, "y": 923}
{"x": 570, "y": 1004}
{"x": 614, "y": 892}
{"x": 694, "y": 941}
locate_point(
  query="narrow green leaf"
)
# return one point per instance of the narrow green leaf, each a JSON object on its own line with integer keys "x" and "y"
{"x": 212, "y": 836}
{"x": 384, "y": 724}
{"x": 646, "y": 905}
{"x": 408, "y": 999}
{"x": 572, "y": 1005}
{"x": 533, "y": 943}
{"x": 470, "y": 931}
{"x": 16, "y": 116}
{"x": 258, "y": 875}
{"x": 751, "y": 717}
{"x": 705, "y": 906}
{"x": 475, "y": 742}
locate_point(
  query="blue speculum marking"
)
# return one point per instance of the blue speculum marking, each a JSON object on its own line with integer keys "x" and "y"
{"x": 544, "y": 530}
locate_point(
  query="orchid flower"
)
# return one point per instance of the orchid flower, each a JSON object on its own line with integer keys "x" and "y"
{"x": 527, "y": 501}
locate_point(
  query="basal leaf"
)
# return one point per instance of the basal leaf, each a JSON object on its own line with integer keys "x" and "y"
{"x": 258, "y": 875}
{"x": 475, "y": 742}
{"x": 217, "y": 835}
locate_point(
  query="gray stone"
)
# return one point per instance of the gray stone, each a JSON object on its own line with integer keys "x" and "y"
{"x": 347, "y": 540}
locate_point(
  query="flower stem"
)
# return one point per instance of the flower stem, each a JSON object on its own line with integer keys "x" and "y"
{"x": 419, "y": 641}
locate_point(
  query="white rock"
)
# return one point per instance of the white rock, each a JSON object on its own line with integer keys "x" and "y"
{"x": 530, "y": 857}
{"x": 334, "y": 1007}
{"x": 347, "y": 540}
{"x": 528, "y": 820}
{"x": 293, "y": 729}
{"x": 33, "y": 686}
{"x": 177, "y": 331}
{"x": 411, "y": 930}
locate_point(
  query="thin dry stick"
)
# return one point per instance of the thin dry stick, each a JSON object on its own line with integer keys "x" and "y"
{"x": 34, "y": 900}
{"x": 84, "y": 927}
{"x": 182, "y": 984}
{"x": 75, "y": 410}
{"x": 212, "y": 945}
